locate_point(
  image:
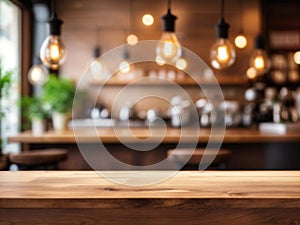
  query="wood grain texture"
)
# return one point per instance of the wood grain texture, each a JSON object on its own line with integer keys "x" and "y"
{"x": 143, "y": 135}
{"x": 187, "y": 189}
{"x": 144, "y": 216}
{"x": 232, "y": 197}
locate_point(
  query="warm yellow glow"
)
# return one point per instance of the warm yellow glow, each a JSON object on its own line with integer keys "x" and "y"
{"x": 124, "y": 67}
{"x": 54, "y": 51}
{"x": 222, "y": 54}
{"x": 260, "y": 62}
{"x": 240, "y": 41}
{"x": 181, "y": 64}
{"x": 148, "y": 19}
{"x": 160, "y": 61}
{"x": 169, "y": 48}
{"x": 297, "y": 57}
{"x": 132, "y": 39}
{"x": 37, "y": 75}
{"x": 251, "y": 73}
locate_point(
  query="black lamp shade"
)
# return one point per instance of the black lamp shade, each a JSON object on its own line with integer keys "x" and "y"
{"x": 169, "y": 21}
{"x": 259, "y": 42}
{"x": 55, "y": 24}
{"x": 222, "y": 29}
{"x": 97, "y": 52}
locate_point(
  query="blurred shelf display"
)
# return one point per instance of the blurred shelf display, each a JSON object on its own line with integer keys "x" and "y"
{"x": 180, "y": 80}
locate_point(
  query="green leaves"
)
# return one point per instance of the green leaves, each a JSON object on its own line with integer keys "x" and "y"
{"x": 5, "y": 80}
{"x": 34, "y": 108}
{"x": 59, "y": 93}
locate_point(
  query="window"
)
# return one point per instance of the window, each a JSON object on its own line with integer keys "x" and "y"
{"x": 10, "y": 55}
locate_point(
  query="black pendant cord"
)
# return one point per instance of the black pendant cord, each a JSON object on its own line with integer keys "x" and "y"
{"x": 130, "y": 15}
{"x": 240, "y": 19}
{"x": 222, "y": 8}
{"x": 169, "y": 5}
{"x": 52, "y": 7}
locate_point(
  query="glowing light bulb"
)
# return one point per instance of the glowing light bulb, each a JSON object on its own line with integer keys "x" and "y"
{"x": 169, "y": 48}
{"x": 52, "y": 51}
{"x": 259, "y": 59}
{"x": 222, "y": 53}
{"x": 297, "y": 57}
{"x": 124, "y": 66}
{"x": 37, "y": 74}
{"x": 240, "y": 41}
{"x": 148, "y": 19}
{"x": 160, "y": 61}
{"x": 251, "y": 73}
{"x": 132, "y": 39}
{"x": 97, "y": 68}
{"x": 181, "y": 64}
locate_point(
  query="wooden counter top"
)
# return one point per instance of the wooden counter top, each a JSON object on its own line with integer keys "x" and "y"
{"x": 229, "y": 197}
{"x": 172, "y": 135}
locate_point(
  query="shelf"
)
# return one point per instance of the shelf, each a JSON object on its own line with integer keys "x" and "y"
{"x": 182, "y": 81}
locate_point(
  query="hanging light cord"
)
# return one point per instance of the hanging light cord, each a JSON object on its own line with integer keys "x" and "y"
{"x": 222, "y": 8}
{"x": 169, "y": 5}
{"x": 52, "y": 7}
{"x": 241, "y": 17}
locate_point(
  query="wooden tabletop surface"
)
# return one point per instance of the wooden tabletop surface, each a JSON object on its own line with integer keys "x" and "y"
{"x": 171, "y": 135}
{"x": 87, "y": 189}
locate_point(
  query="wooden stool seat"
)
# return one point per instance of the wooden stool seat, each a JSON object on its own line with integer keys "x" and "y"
{"x": 180, "y": 157}
{"x": 34, "y": 158}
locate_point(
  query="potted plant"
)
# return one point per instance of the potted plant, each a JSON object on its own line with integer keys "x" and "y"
{"x": 59, "y": 93}
{"x": 34, "y": 109}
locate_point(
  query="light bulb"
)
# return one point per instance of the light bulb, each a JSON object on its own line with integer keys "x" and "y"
{"x": 181, "y": 64}
{"x": 259, "y": 59}
{"x": 125, "y": 66}
{"x": 148, "y": 19}
{"x": 240, "y": 41}
{"x": 169, "y": 48}
{"x": 53, "y": 52}
{"x": 297, "y": 57}
{"x": 222, "y": 53}
{"x": 251, "y": 73}
{"x": 132, "y": 39}
{"x": 97, "y": 69}
{"x": 160, "y": 61}
{"x": 37, "y": 74}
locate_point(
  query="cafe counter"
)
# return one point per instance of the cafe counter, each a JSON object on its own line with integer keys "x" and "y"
{"x": 210, "y": 197}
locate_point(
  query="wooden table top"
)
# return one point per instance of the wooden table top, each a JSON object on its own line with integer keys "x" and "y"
{"x": 87, "y": 189}
{"x": 171, "y": 135}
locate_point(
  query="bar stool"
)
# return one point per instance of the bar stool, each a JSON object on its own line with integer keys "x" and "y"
{"x": 180, "y": 156}
{"x": 43, "y": 159}
{"x": 4, "y": 162}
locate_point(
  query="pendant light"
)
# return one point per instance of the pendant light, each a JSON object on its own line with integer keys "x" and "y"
{"x": 131, "y": 39}
{"x": 259, "y": 60}
{"x": 169, "y": 49}
{"x": 240, "y": 40}
{"x": 222, "y": 53}
{"x": 181, "y": 63}
{"x": 97, "y": 68}
{"x": 52, "y": 51}
{"x": 37, "y": 73}
{"x": 125, "y": 66}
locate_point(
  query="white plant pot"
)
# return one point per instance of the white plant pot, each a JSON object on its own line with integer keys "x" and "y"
{"x": 38, "y": 126}
{"x": 60, "y": 121}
